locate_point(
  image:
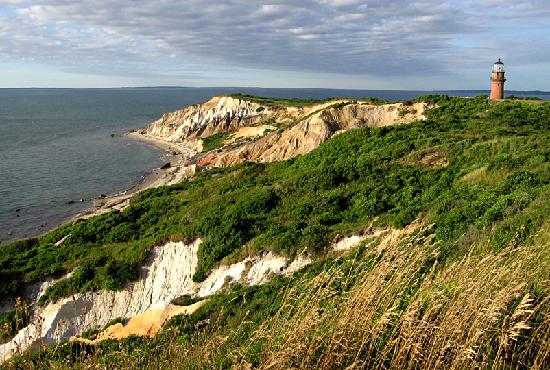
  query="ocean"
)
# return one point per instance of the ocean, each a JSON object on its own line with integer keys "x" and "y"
{"x": 61, "y": 146}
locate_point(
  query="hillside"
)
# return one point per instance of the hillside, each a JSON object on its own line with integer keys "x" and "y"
{"x": 354, "y": 234}
{"x": 234, "y": 129}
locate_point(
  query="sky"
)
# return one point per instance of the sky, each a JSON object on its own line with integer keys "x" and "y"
{"x": 354, "y": 44}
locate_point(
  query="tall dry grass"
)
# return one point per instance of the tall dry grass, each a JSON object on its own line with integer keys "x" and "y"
{"x": 391, "y": 305}
{"x": 406, "y": 312}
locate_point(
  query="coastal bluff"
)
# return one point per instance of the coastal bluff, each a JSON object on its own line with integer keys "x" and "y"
{"x": 258, "y": 132}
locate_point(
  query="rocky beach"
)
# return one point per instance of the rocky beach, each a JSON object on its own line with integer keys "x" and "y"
{"x": 177, "y": 167}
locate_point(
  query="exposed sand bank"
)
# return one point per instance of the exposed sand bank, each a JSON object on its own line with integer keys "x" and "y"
{"x": 146, "y": 324}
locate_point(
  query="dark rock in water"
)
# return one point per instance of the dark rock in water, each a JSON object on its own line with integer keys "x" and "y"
{"x": 17, "y": 215}
{"x": 165, "y": 166}
{"x": 70, "y": 202}
{"x": 18, "y": 209}
{"x": 81, "y": 200}
{"x": 102, "y": 196}
{"x": 113, "y": 135}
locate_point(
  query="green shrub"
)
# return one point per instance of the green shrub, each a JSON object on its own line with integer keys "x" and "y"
{"x": 214, "y": 141}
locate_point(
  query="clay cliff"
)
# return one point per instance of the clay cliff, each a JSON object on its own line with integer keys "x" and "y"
{"x": 166, "y": 276}
{"x": 292, "y": 131}
{"x": 311, "y": 132}
{"x": 220, "y": 113}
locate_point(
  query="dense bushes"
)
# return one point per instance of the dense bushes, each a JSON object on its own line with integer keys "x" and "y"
{"x": 519, "y": 114}
{"x": 354, "y": 179}
{"x": 228, "y": 228}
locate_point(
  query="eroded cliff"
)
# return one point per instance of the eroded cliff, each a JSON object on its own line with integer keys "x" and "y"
{"x": 167, "y": 275}
{"x": 311, "y": 132}
{"x": 297, "y": 130}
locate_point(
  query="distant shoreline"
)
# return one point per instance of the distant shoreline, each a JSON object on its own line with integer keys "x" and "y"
{"x": 244, "y": 88}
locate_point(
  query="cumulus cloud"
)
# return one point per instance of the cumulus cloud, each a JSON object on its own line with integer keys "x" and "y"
{"x": 376, "y": 37}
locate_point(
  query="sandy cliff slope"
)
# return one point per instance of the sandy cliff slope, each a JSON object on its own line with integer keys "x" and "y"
{"x": 221, "y": 113}
{"x": 311, "y": 132}
{"x": 302, "y": 129}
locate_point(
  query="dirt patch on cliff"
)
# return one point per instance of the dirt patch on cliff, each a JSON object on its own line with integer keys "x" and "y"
{"x": 146, "y": 324}
{"x": 250, "y": 132}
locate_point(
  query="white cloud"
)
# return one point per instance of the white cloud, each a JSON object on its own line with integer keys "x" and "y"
{"x": 376, "y": 37}
{"x": 339, "y": 3}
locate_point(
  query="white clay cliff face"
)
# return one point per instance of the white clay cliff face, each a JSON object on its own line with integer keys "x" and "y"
{"x": 216, "y": 115}
{"x": 168, "y": 275}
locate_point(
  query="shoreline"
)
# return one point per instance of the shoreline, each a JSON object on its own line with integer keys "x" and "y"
{"x": 179, "y": 166}
{"x": 175, "y": 170}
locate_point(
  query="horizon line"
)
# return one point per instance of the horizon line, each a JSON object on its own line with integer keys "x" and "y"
{"x": 255, "y": 87}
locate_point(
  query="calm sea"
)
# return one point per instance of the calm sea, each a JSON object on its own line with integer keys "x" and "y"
{"x": 56, "y": 145}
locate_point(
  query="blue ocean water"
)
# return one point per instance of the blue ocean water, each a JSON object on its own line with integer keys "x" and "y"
{"x": 56, "y": 144}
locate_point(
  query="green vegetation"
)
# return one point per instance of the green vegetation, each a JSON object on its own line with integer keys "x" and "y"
{"x": 214, "y": 141}
{"x": 295, "y": 102}
{"x": 185, "y": 300}
{"x": 338, "y": 188}
{"x": 513, "y": 97}
{"x": 11, "y": 321}
{"x": 403, "y": 112}
{"x": 469, "y": 291}
{"x": 278, "y": 102}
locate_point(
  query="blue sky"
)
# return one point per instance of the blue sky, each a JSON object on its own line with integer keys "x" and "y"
{"x": 372, "y": 44}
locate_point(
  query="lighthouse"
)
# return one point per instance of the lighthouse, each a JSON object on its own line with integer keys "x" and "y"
{"x": 497, "y": 81}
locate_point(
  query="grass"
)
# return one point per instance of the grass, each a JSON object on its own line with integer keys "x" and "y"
{"x": 214, "y": 141}
{"x": 278, "y": 102}
{"x": 11, "y": 321}
{"x": 357, "y": 178}
{"x": 481, "y": 176}
{"x": 406, "y": 311}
